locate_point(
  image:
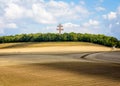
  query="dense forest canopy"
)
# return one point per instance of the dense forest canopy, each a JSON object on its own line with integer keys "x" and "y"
{"x": 52, "y": 37}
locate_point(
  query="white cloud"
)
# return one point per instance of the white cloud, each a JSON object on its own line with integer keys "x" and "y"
{"x": 42, "y": 15}
{"x": 110, "y": 16}
{"x": 9, "y": 1}
{"x": 49, "y": 12}
{"x": 14, "y": 11}
{"x": 11, "y": 25}
{"x": 112, "y": 21}
{"x": 67, "y": 27}
{"x": 43, "y": 12}
{"x": 91, "y": 22}
{"x": 70, "y": 25}
{"x": 58, "y": 8}
{"x": 37, "y": 13}
{"x": 100, "y": 8}
{"x": 57, "y": 4}
{"x": 92, "y": 26}
{"x": 81, "y": 10}
{"x": 64, "y": 11}
{"x": 6, "y": 25}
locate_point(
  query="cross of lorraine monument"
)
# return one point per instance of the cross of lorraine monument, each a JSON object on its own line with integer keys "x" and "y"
{"x": 59, "y": 28}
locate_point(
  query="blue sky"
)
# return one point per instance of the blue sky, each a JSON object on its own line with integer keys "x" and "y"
{"x": 80, "y": 16}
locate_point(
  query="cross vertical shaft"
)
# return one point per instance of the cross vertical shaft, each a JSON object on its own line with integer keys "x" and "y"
{"x": 59, "y": 28}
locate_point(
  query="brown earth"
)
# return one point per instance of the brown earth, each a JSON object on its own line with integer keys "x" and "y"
{"x": 57, "y": 66}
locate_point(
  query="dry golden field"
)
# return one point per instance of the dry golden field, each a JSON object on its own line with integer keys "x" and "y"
{"x": 59, "y": 65}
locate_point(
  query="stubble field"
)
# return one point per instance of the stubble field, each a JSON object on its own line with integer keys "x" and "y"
{"x": 70, "y": 65}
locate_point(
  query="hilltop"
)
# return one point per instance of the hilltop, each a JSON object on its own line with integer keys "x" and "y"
{"x": 65, "y": 37}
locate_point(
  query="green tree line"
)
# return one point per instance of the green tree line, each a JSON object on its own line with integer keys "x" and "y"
{"x": 52, "y": 37}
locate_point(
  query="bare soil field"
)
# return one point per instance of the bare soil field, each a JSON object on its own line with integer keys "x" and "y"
{"x": 79, "y": 65}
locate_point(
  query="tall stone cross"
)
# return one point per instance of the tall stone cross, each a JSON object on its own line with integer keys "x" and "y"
{"x": 59, "y": 28}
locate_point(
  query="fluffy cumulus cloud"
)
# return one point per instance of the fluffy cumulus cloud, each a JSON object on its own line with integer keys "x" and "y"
{"x": 112, "y": 21}
{"x": 45, "y": 12}
{"x": 41, "y": 12}
{"x": 43, "y": 16}
{"x": 5, "y": 25}
{"x": 91, "y": 26}
{"x": 67, "y": 27}
{"x": 63, "y": 11}
{"x": 14, "y": 11}
{"x": 91, "y": 23}
{"x": 71, "y": 27}
{"x": 110, "y": 16}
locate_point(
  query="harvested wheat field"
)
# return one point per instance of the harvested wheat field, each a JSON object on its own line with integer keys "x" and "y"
{"x": 69, "y": 65}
